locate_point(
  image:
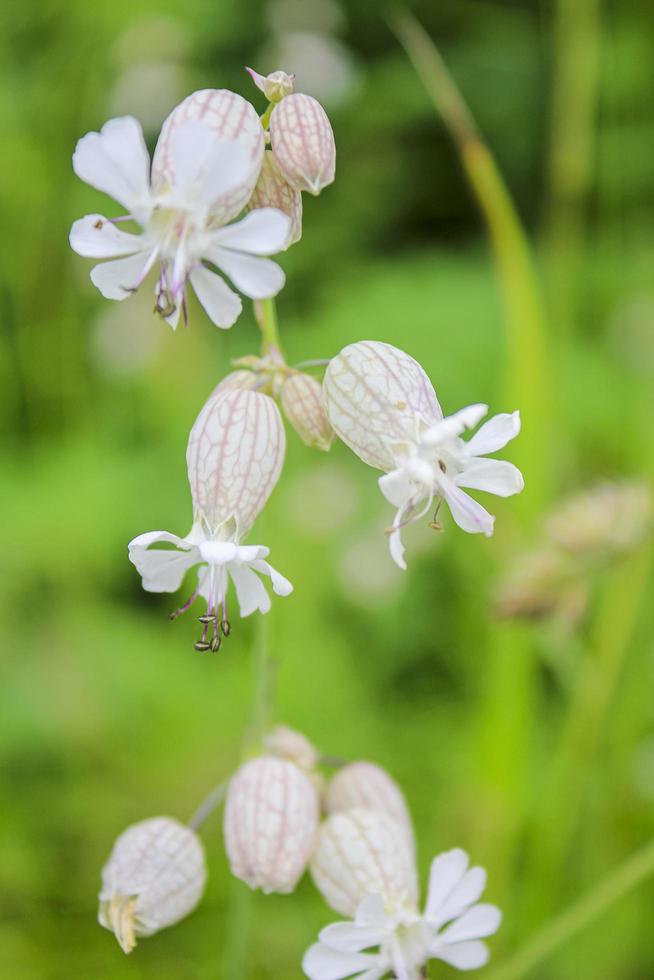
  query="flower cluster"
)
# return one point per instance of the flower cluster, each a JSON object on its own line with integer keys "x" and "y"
{"x": 361, "y": 858}
{"x": 220, "y": 196}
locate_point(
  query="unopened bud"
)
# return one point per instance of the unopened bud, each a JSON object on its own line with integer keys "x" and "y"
{"x": 364, "y": 784}
{"x": 274, "y": 86}
{"x": 286, "y": 743}
{"x": 363, "y": 852}
{"x": 274, "y": 191}
{"x": 303, "y": 143}
{"x": 154, "y": 877}
{"x": 247, "y": 380}
{"x": 303, "y": 406}
{"x": 270, "y": 823}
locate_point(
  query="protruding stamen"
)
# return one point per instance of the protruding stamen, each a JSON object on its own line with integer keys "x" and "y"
{"x": 182, "y": 609}
{"x": 215, "y": 643}
{"x": 201, "y": 646}
{"x": 226, "y": 627}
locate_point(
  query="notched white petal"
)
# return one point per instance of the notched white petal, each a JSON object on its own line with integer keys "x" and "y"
{"x": 230, "y": 117}
{"x": 234, "y": 457}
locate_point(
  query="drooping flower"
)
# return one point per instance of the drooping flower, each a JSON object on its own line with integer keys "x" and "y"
{"x": 270, "y": 823}
{"x": 155, "y": 875}
{"x": 365, "y": 784}
{"x": 363, "y": 852}
{"x": 234, "y": 457}
{"x": 382, "y": 405}
{"x": 389, "y": 937}
{"x": 205, "y": 167}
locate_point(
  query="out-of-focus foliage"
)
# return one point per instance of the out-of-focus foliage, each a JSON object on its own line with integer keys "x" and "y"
{"x": 108, "y": 716}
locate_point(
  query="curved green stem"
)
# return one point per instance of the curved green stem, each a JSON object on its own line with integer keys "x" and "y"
{"x": 266, "y": 314}
{"x": 628, "y": 876}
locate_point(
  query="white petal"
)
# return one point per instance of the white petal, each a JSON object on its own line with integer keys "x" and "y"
{"x": 395, "y": 545}
{"x": 230, "y": 117}
{"x": 468, "y": 514}
{"x": 117, "y": 280}
{"x": 322, "y": 963}
{"x": 494, "y": 434}
{"x": 447, "y": 870}
{"x": 96, "y": 238}
{"x": 464, "y": 956}
{"x": 492, "y": 475}
{"x": 116, "y": 162}
{"x": 374, "y": 394}
{"x": 281, "y": 586}
{"x": 477, "y": 923}
{"x": 234, "y": 457}
{"x": 466, "y": 893}
{"x": 162, "y": 570}
{"x": 396, "y": 487}
{"x": 454, "y": 425}
{"x": 256, "y": 277}
{"x": 350, "y": 938}
{"x": 261, "y": 232}
{"x": 221, "y": 303}
{"x": 371, "y": 910}
{"x": 207, "y": 168}
{"x": 250, "y": 590}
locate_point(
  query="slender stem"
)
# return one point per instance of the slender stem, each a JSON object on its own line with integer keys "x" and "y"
{"x": 266, "y": 314}
{"x": 529, "y": 380}
{"x": 628, "y": 876}
{"x": 210, "y": 803}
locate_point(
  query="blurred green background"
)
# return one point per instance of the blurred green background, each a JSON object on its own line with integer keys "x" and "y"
{"x": 530, "y": 744}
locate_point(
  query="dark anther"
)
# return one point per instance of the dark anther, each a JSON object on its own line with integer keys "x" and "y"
{"x": 442, "y": 465}
{"x": 226, "y": 627}
{"x": 201, "y": 646}
{"x": 207, "y": 620}
{"x": 215, "y": 643}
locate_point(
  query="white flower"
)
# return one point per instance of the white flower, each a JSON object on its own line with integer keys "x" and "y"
{"x": 155, "y": 875}
{"x": 365, "y": 784}
{"x": 451, "y": 929}
{"x": 270, "y": 823}
{"x": 234, "y": 457}
{"x": 205, "y": 167}
{"x": 383, "y": 406}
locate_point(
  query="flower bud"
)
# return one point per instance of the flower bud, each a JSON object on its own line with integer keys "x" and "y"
{"x": 303, "y": 143}
{"x": 304, "y": 409}
{"x": 363, "y": 852}
{"x": 274, "y": 191}
{"x": 155, "y": 876}
{"x": 270, "y": 823}
{"x": 364, "y": 784}
{"x": 286, "y": 743}
{"x": 274, "y": 86}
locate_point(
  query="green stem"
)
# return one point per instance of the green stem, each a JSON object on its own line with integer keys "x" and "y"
{"x": 529, "y": 379}
{"x": 266, "y": 314}
{"x": 628, "y": 876}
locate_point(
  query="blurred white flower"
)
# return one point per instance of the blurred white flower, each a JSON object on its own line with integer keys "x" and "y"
{"x": 451, "y": 929}
{"x": 382, "y": 405}
{"x": 365, "y": 784}
{"x": 270, "y": 823}
{"x": 154, "y": 877}
{"x": 204, "y": 170}
{"x": 363, "y": 852}
{"x": 234, "y": 456}
{"x": 293, "y": 746}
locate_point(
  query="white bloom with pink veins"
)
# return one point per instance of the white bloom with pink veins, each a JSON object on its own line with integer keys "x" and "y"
{"x": 235, "y": 455}
{"x": 363, "y": 852}
{"x": 365, "y": 784}
{"x": 270, "y": 823}
{"x": 382, "y": 405}
{"x": 205, "y": 167}
{"x": 389, "y": 937}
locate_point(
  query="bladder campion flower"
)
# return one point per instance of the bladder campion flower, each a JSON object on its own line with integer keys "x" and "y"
{"x": 381, "y": 403}
{"x": 235, "y": 454}
{"x": 154, "y": 877}
{"x": 270, "y": 823}
{"x": 364, "y": 784}
{"x": 389, "y": 936}
{"x": 205, "y": 167}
